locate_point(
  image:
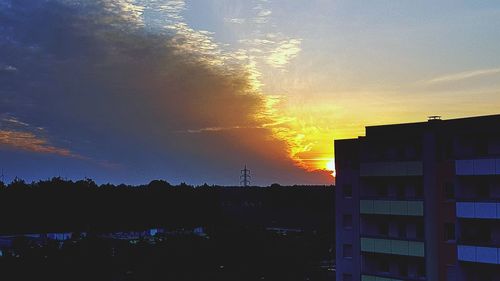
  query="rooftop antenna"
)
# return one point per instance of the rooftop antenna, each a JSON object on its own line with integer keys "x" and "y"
{"x": 245, "y": 177}
{"x": 434, "y": 118}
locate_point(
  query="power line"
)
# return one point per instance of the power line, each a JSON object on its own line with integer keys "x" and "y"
{"x": 245, "y": 177}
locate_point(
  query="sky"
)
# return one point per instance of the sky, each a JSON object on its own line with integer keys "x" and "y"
{"x": 126, "y": 91}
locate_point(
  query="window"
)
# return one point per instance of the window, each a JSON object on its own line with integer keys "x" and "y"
{"x": 494, "y": 145}
{"x": 347, "y": 251}
{"x": 482, "y": 147}
{"x": 419, "y": 191}
{"x": 449, "y": 191}
{"x": 400, "y": 153}
{"x": 390, "y": 154}
{"x": 382, "y": 190}
{"x": 421, "y": 269}
{"x": 448, "y": 149}
{"x": 346, "y": 277}
{"x": 347, "y": 221}
{"x": 402, "y": 230}
{"x": 383, "y": 229}
{"x": 420, "y": 231}
{"x": 400, "y": 191}
{"x": 403, "y": 269}
{"x": 411, "y": 152}
{"x": 476, "y": 233}
{"x": 449, "y": 231}
{"x": 383, "y": 266}
{"x": 483, "y": 191}
{"x": 347, "y": 190}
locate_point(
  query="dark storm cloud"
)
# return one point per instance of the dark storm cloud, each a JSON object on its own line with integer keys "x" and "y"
{"x": 101, "y": 87}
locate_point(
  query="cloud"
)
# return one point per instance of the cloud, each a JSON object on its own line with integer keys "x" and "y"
{"x": 7, "y": 121}
{"x": 129, "y": 10}
{"x": 235, "y": 20}
{"x": 265, "y": 46}
{"x": 29, "y": 142}
{"x": 211, "y": 129}
{"x": 262, "y": 13}
{"x": 7, "y": 69}
{"x": 19, "y": 135}
{"x": 284, "y": 52}
{"x": 173, "y": 9}
{"x": 464, "y": 75}
{"x": 267, "y": 52}
{"x": 134, "y": 84}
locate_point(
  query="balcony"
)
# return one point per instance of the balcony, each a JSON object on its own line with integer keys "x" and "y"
{"x": 477, "y": 167}
{"x": 391, "y": 207}
{"x": 478, "y": 254}
{"x": 391, "y": 169}
{"x": 392, "y": 247}
{"x": 377, "y": 278}
{"x": 478, "y": 210}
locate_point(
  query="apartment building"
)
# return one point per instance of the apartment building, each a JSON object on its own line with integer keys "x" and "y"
{"x": 420, "y": 201}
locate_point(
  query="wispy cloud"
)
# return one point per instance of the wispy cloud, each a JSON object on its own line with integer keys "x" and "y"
{"x": 285, "y": 51}
{"x": 9, "y": 121}
{"x": 263, "y": 13}
{"x": 235, "y": 20}
{"x": 18, "y": 135}
{"x": 129, "y": 10}
{"x": 265, "y": 49}
{"x": 213, "y": 129}
{"x": 7, "y": 68}
{"x": 464, "y": 75}
{"x": 29, "y": 142}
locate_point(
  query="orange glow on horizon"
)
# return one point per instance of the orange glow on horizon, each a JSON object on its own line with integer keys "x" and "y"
{"x": 330, "y": 166}
{"x": 307, "y": 130}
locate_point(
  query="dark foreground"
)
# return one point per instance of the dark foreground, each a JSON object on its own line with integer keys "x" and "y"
{"x": 233, "y": 254}
{"x": 271, "y": 233}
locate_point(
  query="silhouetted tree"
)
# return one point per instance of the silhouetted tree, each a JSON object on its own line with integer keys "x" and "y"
{"x": 86, "y": 184}
{"x": 184, "y": 185}
{"x": 18, "y": 185}
{"x": 275, "y": 185}
{"x": 107, "y": 186}
{"x": 158, "y": 184}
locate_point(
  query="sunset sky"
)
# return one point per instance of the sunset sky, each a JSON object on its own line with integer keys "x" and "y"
{"x": 191, "y": 91}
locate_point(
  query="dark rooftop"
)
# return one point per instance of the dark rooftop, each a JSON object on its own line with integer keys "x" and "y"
{"x": 475, "y": 124}
{"x": 485, "y": 123}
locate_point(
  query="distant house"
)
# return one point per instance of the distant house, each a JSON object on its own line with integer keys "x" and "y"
{"x": 59, "y": 236}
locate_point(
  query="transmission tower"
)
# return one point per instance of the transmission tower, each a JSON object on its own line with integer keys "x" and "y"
{"x": 2, "y": 177}
{"x": 245, "y": 177}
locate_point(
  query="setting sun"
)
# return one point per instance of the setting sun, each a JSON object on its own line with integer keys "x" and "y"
{"x": 330, "y": 165}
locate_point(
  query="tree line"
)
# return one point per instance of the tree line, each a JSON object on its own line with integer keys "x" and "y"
{"x": 64, "y": 205}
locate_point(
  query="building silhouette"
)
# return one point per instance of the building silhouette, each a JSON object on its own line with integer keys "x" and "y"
{"x": 420, "y": 201}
